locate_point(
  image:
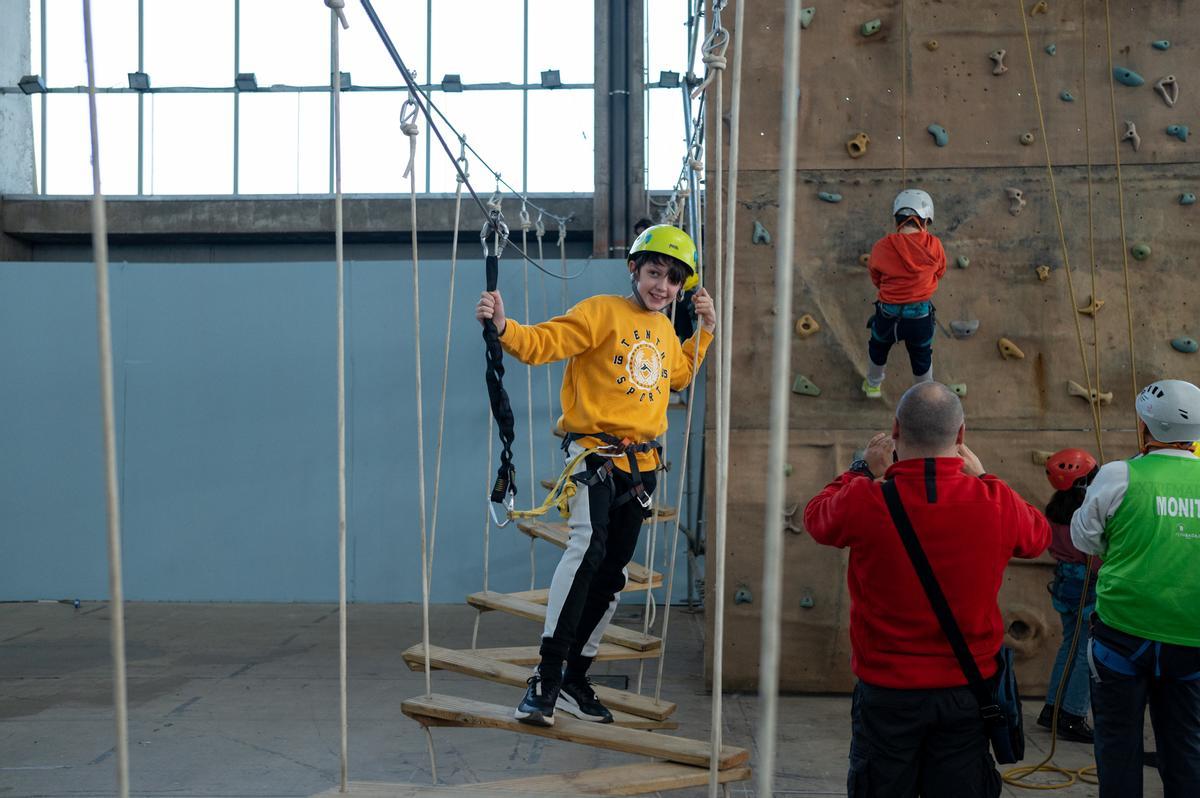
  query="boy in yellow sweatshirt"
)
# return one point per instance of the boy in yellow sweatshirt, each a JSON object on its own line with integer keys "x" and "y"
{"x": 623, "y": 360}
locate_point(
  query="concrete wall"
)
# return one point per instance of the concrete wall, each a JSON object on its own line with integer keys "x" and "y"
{"x": 16, "y": 111}
{"x": 225, "y": 383}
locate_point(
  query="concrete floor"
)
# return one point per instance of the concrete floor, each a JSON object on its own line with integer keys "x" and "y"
{"x": 242, "y": 700}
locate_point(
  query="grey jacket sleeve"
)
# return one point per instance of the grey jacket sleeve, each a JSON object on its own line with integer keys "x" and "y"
{"x": 1103, "y": 498}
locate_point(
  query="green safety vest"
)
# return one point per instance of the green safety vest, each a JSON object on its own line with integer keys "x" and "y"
{"x": 1149, "y": 585}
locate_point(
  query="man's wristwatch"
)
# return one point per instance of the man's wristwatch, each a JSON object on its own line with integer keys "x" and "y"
{"x": 861, "y": 467}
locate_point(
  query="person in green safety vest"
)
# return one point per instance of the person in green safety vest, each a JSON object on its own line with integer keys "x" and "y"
{"x": 1143, "y": 516}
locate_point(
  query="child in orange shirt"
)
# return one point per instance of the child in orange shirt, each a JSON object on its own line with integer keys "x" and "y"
{"x": 623, "y": 360}
{"x": 905, "y": 266}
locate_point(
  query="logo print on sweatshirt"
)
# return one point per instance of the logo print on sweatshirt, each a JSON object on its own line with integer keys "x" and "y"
{"x": 643, "y": 364}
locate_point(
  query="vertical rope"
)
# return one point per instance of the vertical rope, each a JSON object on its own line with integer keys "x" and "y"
{"x": 768, "y": 679}
{"x": 487, "y": 525}
{"x": 533, "y": 479}
{"x": 1087, "y": 143}
{"x": 109, "y": 424}
{"x": 903, "y": 94}
{"x": 540, "y": 232}
{"x": 336, "y": 15}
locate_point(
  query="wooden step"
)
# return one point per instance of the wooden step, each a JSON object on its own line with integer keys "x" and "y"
{"x": 515, "y": 675}
{"x": 542, "y": 594}
{"x": 444, "y": 710}
{"x": 530, "y": 655}
{"x": 537, "y": 612}
{"x": 557, "y": 534}
{"x": 636, "y": 779}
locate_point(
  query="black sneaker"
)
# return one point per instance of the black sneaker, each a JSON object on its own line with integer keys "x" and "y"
{"x": 537, "y": 707}
{"x": 1073, "y": 728}
{"x": 579, "y": 699}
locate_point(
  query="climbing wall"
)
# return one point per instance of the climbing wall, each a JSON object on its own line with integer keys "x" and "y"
{"x": 1008, "y": 271}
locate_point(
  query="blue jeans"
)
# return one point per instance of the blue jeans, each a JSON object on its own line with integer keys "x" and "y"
{"x": 1129, "y": 673}
{"x": 1064, "y": 594}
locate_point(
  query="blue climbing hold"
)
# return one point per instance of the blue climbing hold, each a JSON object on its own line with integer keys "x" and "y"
{"x": 1067, "y": 96}
{"x": 1186, "y": 345}
{"x": 826, "y": 196}
{"x": 1178, "y": 131}
{"x": 806, "y": 16}
{"x": 1161, "y": 44}
{"x": 1128, "y": 77}
{"x": 1187, "y": 198}
{"x": 940, "y": 136}
{"x": 1051, "y": 49}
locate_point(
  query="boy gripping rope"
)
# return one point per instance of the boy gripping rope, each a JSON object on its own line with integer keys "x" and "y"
{"x": 623, "y": 360}
{"x": 905, "y": 266}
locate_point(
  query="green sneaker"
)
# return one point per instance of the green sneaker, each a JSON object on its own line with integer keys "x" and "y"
{"x": 872, "y": 391}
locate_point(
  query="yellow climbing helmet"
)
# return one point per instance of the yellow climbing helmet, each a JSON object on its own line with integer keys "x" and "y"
{"x": 669, "y": 240}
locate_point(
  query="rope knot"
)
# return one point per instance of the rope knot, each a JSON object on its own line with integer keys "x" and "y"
{"x": 410, "y": 128}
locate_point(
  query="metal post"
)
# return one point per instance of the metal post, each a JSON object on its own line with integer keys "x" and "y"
{"x": 603, "y": 132}
{"x": 237, "y": 95}
{"x": 618, "y": 100}
{"x": 428, "y": 82}
{"x": 525, "y": 104}
{"x": 43, "y": 98}
{"x": 141, "y": 96}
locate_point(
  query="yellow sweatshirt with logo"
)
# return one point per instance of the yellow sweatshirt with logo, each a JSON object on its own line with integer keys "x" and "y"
{"x": 622, "y": 363}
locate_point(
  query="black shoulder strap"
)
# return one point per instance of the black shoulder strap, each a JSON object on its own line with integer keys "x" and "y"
{"x": 937, "y": 599}
{"x": 501, "y": 408}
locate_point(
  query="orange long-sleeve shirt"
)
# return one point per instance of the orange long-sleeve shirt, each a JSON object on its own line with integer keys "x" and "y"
{"x": 906, "y": 267}
{"x": 622, "y": 363}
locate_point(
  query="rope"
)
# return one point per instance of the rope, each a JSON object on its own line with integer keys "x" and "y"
{"x": 526, "y": 224}
{"x": 713, "y": 49}
{"x": 1087, "y": 139}
{"x": 1112, "y": 96}
{"x": 487, "y": 530}
{"x": 903, "y": 94}
{"x": 108, "y": 423}
{"x": 539, "y": 230}
{"x": 336, "y": 16}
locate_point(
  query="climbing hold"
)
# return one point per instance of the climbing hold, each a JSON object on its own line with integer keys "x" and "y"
{"x": 1043, "y": 273}
{"x": 857, "y": 146}
{"x": 1009, "y": 350}
{"x": 964, "y": 329}
{"x": 1039, "y": 7}
{"x": 788, "y": 470}
{"x": 1168, "y": 89}
{"x": 1161, "y": 44}
{"x": 940, "y": 136}
{"x": 1186, "y": 345}
{"x": 1128, "y": 76}
{"x": 1041, "y": 457}
{"x": 1131, "y": 135}
{"x": 1066, "y": 96}
{"x": 962, "y": 261}
{"x": 806, "y": 17}
{"x": 1016, "y": 199}
{"x": 1140, "y": 251}
{"x": 1178, "y": 131}
{"x": 959, "y": 388}
{"x": 761, "y": 235}
{"x": 805, "y": 387}
{"x": 826, "y": 196}
{"x": 807, "y": 602}
{"x": 789, "y": 516}
{"x": 864, "y": 259}
{"x": 871, "y": 27}
{"x": 1075, "y": 389}
{"x": 1187, "y": 198}
{"x": 743, "y": 595}
{"x": 806, "y": 325}
{"x": 1051, "y": 49}
{"x": 997, "y": 57}
{"x": 931, "y": 45}
{"x": 1093, "y": 306}
{"x": 1027, "y": 137}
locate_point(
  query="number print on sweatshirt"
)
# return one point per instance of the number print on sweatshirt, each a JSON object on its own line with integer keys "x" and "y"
{"x": 643, "y": 362}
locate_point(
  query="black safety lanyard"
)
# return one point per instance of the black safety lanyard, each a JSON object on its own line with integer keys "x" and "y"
{"x": 506, "y": 483}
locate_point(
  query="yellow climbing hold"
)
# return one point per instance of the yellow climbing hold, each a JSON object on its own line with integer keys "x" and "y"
{"x": 806, "y": 325}
{"x": 1009, "y": 350}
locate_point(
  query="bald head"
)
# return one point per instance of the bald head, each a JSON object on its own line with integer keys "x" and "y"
{"x": 928, "y": 420}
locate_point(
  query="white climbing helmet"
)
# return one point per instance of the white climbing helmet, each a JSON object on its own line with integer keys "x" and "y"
{"x": 1171, "y": 411}
{"x": 915, "y": 202}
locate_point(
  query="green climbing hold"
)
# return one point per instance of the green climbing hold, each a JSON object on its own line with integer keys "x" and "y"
{"x": 1178, "y": 131}
{"x": 806, "y": 17}
{"x": 1186, "y": 345}
{"x": 807, "y": 602}
{"x": 940, "y": 136}
{"x": 1187, "y": 198}
{"x": 1128, "y": 77}
{"x": 1067, "y": 96}
{"x": 1161, "y": 44}
{"x": 871, "y": 27}
{"x": 805, "y": 387}
{"x": 826, "y": 196}
{"x": 963, "y": 261}
{"x": 959, "y": 388}
{"x": 743, "y": 595}
{"x": 761, "y": 235}
{"x": 1140, "y": 251}
{"x": 788, "y": 470}
{"x": 1051, "y": 49}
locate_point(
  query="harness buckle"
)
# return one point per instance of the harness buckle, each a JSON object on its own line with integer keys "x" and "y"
{"x": 643, "y": 498}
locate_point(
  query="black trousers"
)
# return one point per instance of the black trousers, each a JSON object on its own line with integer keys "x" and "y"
{"x": 908, "y": 743}
{"x": 917, "y": 335}
{"x": 588, "y": 580}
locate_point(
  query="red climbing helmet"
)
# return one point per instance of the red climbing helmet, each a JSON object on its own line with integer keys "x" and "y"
{"x": 1066, "y": 467}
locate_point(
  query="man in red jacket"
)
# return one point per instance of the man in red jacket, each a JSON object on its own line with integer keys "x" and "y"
{"x": 915, "y": 725}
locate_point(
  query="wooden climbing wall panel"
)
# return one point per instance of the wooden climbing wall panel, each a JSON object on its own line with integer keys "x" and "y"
{"x": 850, "y": 84}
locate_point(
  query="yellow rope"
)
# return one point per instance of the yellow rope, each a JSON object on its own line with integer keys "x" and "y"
{"x": 1087, "y": 140}
{"x": 903, "y": 95}
{"x": 561, "y": 494}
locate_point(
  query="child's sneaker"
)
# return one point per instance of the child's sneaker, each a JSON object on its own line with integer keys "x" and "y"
{"x": 579, "y": 699}
{"x": 872, "y": 391}
{"x": 537, "y": 707}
